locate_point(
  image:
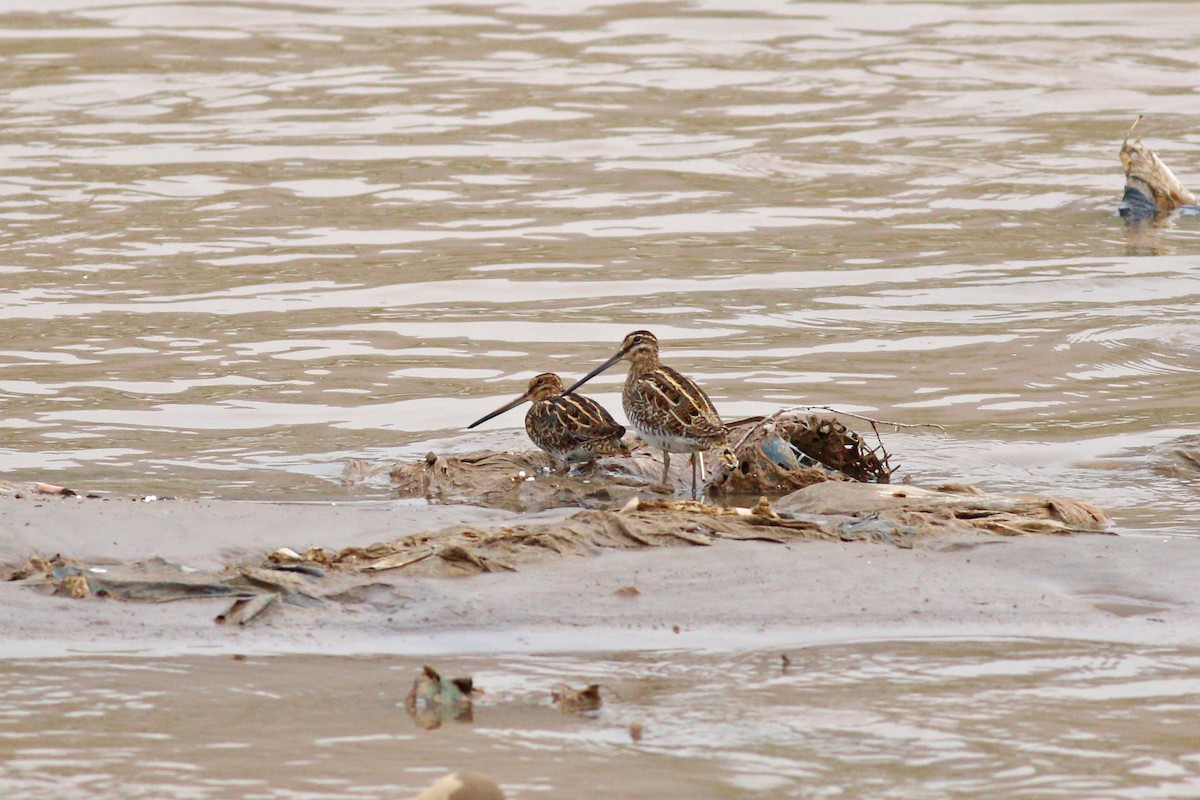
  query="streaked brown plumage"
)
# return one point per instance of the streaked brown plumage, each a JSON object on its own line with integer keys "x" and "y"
{"x": 667, "y": 409}
{"x": 571, "y": 428}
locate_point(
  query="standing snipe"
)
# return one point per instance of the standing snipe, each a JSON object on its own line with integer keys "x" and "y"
{"x": 668, "y": 410}
{"x": 570, "y": 428}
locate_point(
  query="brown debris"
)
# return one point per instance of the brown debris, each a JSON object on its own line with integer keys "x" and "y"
{"x": 1151, "y": 189}
{"x": 788, "y": 451}
{"x": 75, "y": 586}
{"x": 34, "y": 565}
{"x": 51, "y": 488}
{"x": 576, "y": 701}
{"x": 946, "y": 508}
{"x": 900, "y": 515}
{"x": 774, "y": 455}
{"x": 521, "y": 481}
{"x": 359, "y": 471}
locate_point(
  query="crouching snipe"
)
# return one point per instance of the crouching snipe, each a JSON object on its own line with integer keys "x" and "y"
{"x": 570, "y": 428}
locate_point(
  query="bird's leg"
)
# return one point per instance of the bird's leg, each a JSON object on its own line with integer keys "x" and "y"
{"x": 693, "y": 460}
{"x": 703, "y": 472}
{"x": 666, "y": 465}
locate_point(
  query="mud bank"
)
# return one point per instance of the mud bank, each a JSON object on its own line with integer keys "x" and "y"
{"x": 730, "y": 594}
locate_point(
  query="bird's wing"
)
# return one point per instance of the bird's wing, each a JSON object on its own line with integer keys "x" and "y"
{"x": 684, "y": 401}
{"x": 574, "y": 419}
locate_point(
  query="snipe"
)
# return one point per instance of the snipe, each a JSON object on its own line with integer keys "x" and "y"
{"x": 570, "y": 428}
{"x": 667, "y": 409}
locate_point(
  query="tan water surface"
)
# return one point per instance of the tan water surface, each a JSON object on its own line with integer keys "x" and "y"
{"x": 888, "y": 720}
{"x": 244, "y": 242}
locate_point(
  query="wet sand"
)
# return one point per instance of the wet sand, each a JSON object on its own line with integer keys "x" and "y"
{"x": 732, "y": 595}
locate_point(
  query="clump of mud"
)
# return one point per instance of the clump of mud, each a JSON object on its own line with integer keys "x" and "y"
{"x": 775, "y": 455}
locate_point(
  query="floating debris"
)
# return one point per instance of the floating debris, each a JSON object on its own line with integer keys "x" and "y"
{"x": 1152, "y": 192}
{"x": 462, "y": 786}
{"x": 433, "y": 700}
{"x": 576, "y": 701}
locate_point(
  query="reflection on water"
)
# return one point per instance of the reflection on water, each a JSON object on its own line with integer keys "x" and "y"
{"x": 1036, "y": 719}
{"x": 244, "y": 242}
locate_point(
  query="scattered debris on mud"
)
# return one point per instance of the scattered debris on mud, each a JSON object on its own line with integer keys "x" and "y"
{"x": 522, "y": 481}
{"x": 254, "y": 590}
{"x": 897, "y": 515}
{"x": 812, "y": 478}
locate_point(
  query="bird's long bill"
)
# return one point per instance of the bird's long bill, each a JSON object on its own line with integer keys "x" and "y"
{"x": 499, "y": 411}
{"x": 595, "y": 372}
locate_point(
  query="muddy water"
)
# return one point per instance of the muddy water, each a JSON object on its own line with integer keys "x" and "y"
{"x": 899, "y": 720}
{"x": 243, "y": 243}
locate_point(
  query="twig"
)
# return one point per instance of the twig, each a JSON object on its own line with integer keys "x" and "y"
{"x": 871, "y": 420}
{"x": 1130, "y": 132}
